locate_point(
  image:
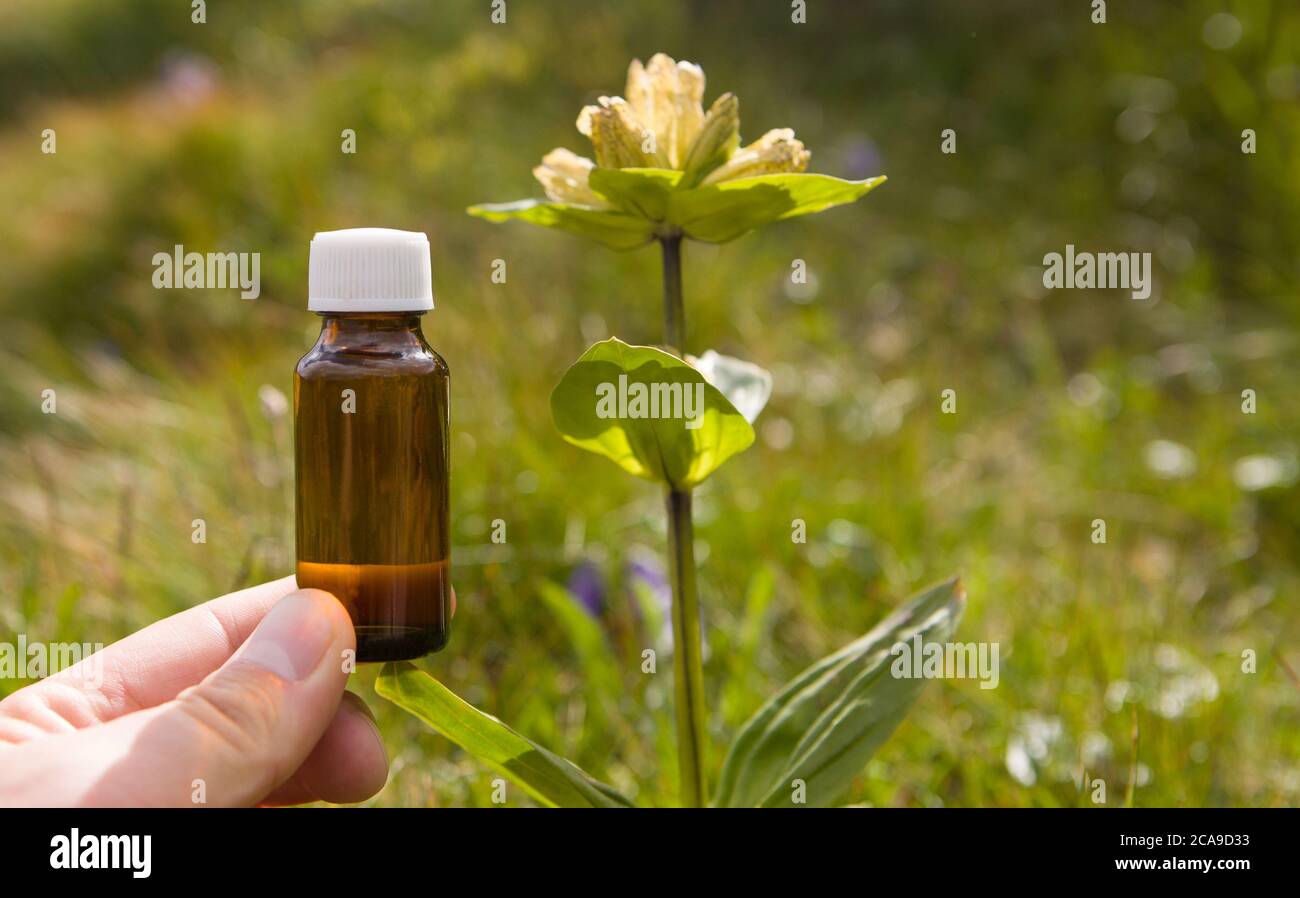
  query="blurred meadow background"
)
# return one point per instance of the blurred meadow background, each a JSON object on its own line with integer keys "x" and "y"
{"x": 1123, "y": 659}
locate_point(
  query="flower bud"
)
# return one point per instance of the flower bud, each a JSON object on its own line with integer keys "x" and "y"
{"x": 716, "y": 141}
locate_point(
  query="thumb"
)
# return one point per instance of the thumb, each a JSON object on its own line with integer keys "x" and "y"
{"x": 256, "y": 718}
{"x": 234, "y": 737}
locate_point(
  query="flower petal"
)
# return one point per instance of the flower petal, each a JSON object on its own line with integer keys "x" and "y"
{"x": 777, "y": 151}
{"x": 688, "y": 107}
{"x": 564, "y": 175}
{"x": 666, "y": 98}
{"x": 616, "y": 135}
{"x": 641, "y": 99}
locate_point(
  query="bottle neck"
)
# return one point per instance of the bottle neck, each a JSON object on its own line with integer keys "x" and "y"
{"x": 371, "y": 330}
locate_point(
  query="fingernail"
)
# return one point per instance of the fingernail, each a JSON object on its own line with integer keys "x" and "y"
{"x": 291, "y": 639}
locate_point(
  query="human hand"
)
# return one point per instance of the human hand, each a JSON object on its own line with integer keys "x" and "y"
{"x": 238, "y": 701}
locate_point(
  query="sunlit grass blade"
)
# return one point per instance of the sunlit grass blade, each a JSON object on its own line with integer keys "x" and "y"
{"x": 596, "y": 659}
{"x": 548, "y": 778}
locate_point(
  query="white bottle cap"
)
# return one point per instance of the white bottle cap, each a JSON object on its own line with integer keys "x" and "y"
{"x": 369, "y": 270}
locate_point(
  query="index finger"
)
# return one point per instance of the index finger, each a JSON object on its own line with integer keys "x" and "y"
{"x": 153, "y": 665}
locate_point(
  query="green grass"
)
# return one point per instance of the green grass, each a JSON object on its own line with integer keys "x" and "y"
{"x": 931, "y": 283}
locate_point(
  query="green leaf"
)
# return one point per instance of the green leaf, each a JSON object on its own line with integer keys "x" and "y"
{"x": 638, "y": 191}
{"x": 590, "y": 411}
{"x": 721, "y": 212}
{"x": 547, "y": 777}
{"x": 648, "y": 199}
{"x": 825, "y": 724}
{"x": 613, "y": 228}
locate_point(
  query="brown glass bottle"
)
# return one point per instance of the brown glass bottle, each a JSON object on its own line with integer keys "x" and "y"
{"x": 370, "y": 423}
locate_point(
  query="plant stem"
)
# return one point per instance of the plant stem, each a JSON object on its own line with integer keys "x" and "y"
{"x": 688, "y": 662}
{"x": 674, "y": 313}
{"x": 688, "y": 667}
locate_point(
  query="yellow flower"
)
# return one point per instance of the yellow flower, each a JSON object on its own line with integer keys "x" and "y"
{"x": 664, "y": 169}
{"x": 662, "y": 124}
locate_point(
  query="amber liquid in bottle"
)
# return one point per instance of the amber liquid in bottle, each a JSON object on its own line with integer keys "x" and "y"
{"x": 370, "y": 426}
